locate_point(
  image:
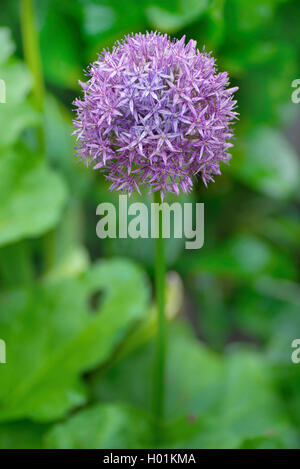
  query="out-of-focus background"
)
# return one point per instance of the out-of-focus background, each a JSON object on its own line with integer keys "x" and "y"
{"x": 76, "y": 313}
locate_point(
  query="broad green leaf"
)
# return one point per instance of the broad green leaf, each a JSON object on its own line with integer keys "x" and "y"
{"x": 14, "y": 119}
{"x": 285, "y": 329}
{"x": 58, "y": 129}
{"x": 254, "y": 313}
{"x": 211, "y": 401}
{"x": 99, "y": 19}
{"x": 258, "y": 52}
{"x": 210, "y": 32}
{"x": 282, "y": 352}
{"x": 284, "y": 229}
{"x": 288, "y": 21}
{"x": 101, "y": 427}
{"x": 7, "y": 45}
{"x": 210, "y": 295}
{"x": 185, "y": 358}
{"x": 59, "y": 146}
{"x": 172, "y": 19}
{"x": 17, "y": 266}
{"x": 31, "y": 196}
{"x": 16, "y": 114}
{"x": 243, "y": 256}
{"x": 244, "y": 17}
{"x": 106, "y": 22}
{"x": 60, "y": 46}
{"x": 250, "y": 404}
{"x": 192, "y": 381}
{"x": 18, "y": 82}
{"x": 74, "y": 262}
{"x": 22, "y": 435}
{"x": 269, "y": 164}
{"x": 248, "y": 409}
{"x": 263, "y": 65}
{"x": 262, "y": 310}
{"x": 56, "y": 331}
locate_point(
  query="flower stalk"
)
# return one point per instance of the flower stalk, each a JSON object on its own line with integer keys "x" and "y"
{"x": 160, "y": 344}
{"x": 33, "y": 60}
{"x": 32, "y": 55}
{"x": 32, "y": 51}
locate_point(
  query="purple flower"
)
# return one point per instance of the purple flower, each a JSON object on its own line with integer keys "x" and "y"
{"x": 155, "y": 112}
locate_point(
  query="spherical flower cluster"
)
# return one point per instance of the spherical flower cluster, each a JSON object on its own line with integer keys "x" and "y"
{"x": 155, "y": 112}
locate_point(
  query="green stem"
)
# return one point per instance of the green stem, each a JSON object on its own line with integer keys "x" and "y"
{"x": 160, "y": 346}
{"x": 33, "y": 60}
{"x": 32, "y": 57}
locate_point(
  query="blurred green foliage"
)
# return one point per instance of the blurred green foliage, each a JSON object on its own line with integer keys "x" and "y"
{"x": 79, "y": 344}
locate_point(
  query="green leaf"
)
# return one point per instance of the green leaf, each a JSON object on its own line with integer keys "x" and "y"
{"x": 14, "y": 119}
{"x": 101, "y": 427}
{"x": 22, "y": 435}
{"x": 16, "y": 114}
{"x": 173, "y": 19}
{"x": 31, "y": 196}
{"x": 60, "y": 46}
{"x": 264, "y": 65}
{"x": 285, "y": 329}
{"x": 56, "y": 331}
{"x": 244, "y": 17}
{"x": 210, "y": 31}
{"x": 7, "y": 45}
{"x": 59, "y": 146}
{"x": 211, "y": 401}
{"x": 268, "y": 310}
{"x": 283, "y": 229}
{"x": 187, "y": 390}
{"x": 74, "y": 262}
{"x": 106, "y": 22}
{"x": 248, "y": 409}
{"x": 269, "y": 164}
{"x": 250, "y": 404}
{"x": 98, "y": 19}
{"x": 254, "y": 313}
{"x": 18, "y": 82}
{"x": 241, "y": 257}
{"x": 209, "y": 292}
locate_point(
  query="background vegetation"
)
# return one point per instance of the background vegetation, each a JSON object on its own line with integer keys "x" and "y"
{"x": 77, "y": 313}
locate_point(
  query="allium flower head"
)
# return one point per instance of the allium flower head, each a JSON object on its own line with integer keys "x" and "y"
{"x": 155, "y": 112}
